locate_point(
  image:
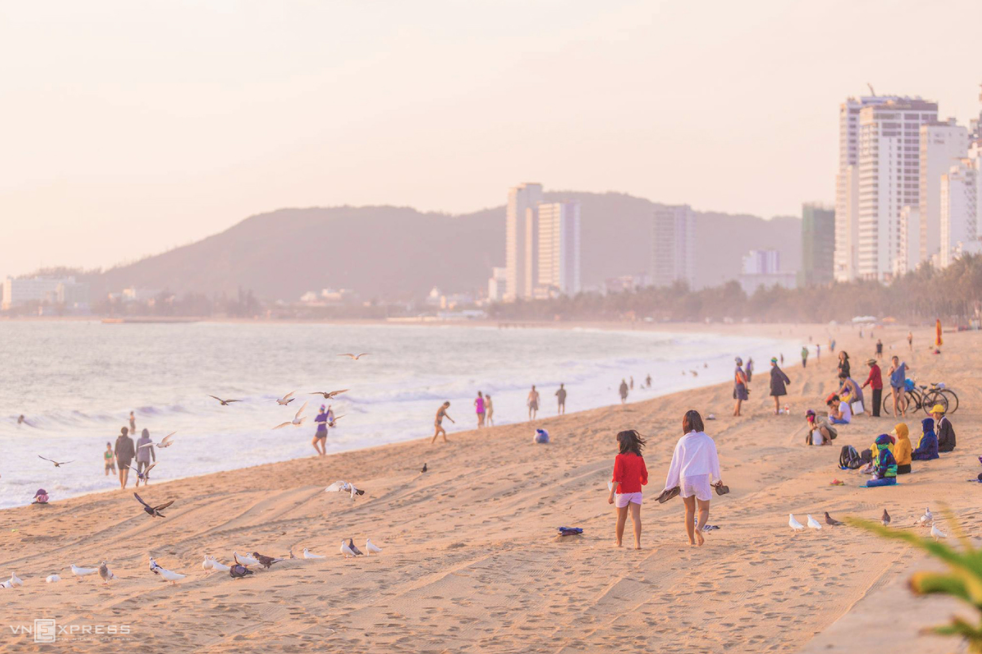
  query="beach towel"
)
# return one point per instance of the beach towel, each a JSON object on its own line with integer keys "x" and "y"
{"x": 570, "y": 531}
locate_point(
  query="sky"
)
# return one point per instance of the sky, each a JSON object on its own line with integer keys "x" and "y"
{"x": 131, "y": 127}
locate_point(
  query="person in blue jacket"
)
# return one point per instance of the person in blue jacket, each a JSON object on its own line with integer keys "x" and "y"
{"x": 927, "y": 448}
{"x": 885, "y": 471}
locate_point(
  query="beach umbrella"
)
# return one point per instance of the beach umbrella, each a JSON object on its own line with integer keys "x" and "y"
{"x": 938, "y": 342}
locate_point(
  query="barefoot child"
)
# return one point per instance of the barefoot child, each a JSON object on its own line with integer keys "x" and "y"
{"x": 630, "y": 474}
{"x": 694, "y": 469}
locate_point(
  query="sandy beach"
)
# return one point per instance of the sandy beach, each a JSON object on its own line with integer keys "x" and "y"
{"x": 471, "y": 561}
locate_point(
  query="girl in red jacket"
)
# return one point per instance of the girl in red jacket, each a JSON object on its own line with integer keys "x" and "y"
{"x": 630, "y": 474}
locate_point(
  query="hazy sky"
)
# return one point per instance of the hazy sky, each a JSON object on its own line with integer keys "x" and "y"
{"x": 128, "y": 127}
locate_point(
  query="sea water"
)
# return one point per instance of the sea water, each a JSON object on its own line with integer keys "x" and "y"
{"x": 76, "y": 382}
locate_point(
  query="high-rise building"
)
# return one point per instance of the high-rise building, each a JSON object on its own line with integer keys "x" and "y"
{"x": 846, "y": 259}
{"x": 959, "y": 211}
{"x": 497, "y": 284}
{"x": 762, "y": 269}
{"x": 672, "y": 245}
{"x": 817, "y": 244}
{"x": 520, "y": 199}
{"x": 64, "y": 291}
{"x": 909, "y": 253}
{"x": 889, "y": 178}
{"x": 942, "y": 145}
{"x": 556, "y": 248}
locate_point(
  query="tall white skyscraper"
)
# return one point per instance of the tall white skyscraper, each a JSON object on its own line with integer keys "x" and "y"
{"x": 846, "y": 258}
{"x": 520, "y": 199}
{"x": 558, "y": 248}
{"x": 959, "y": 211}
{"x": 909, "y": 253}
{"x": 889, "y": 178}
{"x": 672, "y": 245}
{"x": 942, "y": 145}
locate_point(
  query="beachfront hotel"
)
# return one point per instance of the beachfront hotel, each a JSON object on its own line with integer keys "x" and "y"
{"x": 672, "y": 245}
{"x": 817, "y": 244}
{"x": 518, "y": 262}
{"x": 943, "y": 144}
{"x": 557, "y": 248}
{"x": 959, "y": 211}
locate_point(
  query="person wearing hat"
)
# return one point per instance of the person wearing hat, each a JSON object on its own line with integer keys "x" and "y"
{"x": 885, "y": 465}
{"x": 839, "y": 411}
{"x": 740, "y": 392}
{"x": 875, "y": 381}
{"x": 778, "y": 382}
{"x": 820, "y": 432}
{"x": 903, "y": 450}
{"x": 946, "y": 433}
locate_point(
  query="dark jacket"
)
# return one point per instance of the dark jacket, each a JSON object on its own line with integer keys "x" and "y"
{"x": 927, "y": 449}
{"x": 946, "y": 435}
{"x": 124, "y": 450}
{"x": 778, "y": 381}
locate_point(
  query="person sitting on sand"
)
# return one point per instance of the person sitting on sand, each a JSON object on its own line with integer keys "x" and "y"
{"x": 849, "y": 387}
{"x": 820, "y": 432}
{"x": 885, "y": 465}
{"x": 109, "y": 458}
{"x": 839, "y": 411}
{"x": 946, "y": 433}
{"x": 695, "y": 470}
{"x": 778, "y": 385}
{"x": 903, "y": 450}
{"x": 441, "y": 413}
{"x": 927, "y": 447}
{"x": 630, "y": 474}
{"x": 740, "y": 392}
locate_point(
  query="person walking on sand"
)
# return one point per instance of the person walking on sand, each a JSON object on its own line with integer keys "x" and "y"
{"x": 132, "y": 424}
{"x": 124, "y": 452}
{"x": 533, "y": 403}
{"x": 910, "y": 341}
{"x": 818, "y": 351}
{"x": 695, "y": 471}
{"x": 441, "y": 413}
{"x": 320, "y": 434}
{"x": 479, "y": 408}
{"x": 750, "y": 369}
{"x": 739, "y": 387}
{"x": 630, "y": 474}
{"x": 109, "y": 458}
{"x": 804, "y": 356}
{"x": 632, "y": 382}
{"x": 879, "y": 348}
{"x": 874, "y": 381}
{"x": 844, "y": 365}
{"x": 488, "y": 411}
{"x": 144, "y": 455}
{"x": 623, "y": 392}
{"x": 561, "y": 399}
{"x": 779, "y": 380}
{"x": 647, "y": 380}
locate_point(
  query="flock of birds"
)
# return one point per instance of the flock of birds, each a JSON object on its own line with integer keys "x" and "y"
{"x": 885, "y": 520}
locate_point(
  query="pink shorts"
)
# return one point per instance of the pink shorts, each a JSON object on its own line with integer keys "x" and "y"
{"x": 623, "y": 499}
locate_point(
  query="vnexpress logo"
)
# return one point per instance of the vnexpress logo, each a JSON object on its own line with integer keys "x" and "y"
{"x": 45, "y": 631}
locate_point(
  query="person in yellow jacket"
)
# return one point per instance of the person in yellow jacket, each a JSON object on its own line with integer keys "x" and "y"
{"x": 902, "y": 449}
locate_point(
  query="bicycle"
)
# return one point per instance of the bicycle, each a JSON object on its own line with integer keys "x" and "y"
{"x": 913, "y": 398}
{"x": 939, "y": 394}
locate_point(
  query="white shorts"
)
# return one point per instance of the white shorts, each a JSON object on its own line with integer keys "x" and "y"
{"x": 699, "y": 486}
{"x": 623, "y": 499}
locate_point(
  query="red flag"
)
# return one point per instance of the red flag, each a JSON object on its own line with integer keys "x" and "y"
{"x": 938, "y": 342}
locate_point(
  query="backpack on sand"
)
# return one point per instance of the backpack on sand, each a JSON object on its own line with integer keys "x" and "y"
{"x": 849, "y": 458}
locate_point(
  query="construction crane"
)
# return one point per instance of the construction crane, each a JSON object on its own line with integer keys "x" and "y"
{"x": 872, "y": 92}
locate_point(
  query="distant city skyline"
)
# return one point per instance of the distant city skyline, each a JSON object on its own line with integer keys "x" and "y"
{"x": 120, "y": 145}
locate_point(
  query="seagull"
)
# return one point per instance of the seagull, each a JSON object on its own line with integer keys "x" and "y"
{"x": 297, "y": 420}
{"x": 928, "y": 517}
{"x": 207, "y": 564}
{"x": 307, "y": 554}
{"x": 15, "y": 580}
{"x": 167, "y": 442}
{"x": 336, "y": 418}
{"x": 286, "y": 399}
{"x": 813, "y": 523}
{"x": 143, "y": 476}
{"x": 347, "y": 551}
{"x": 292, "y": 555}
{"x": 223, "y": 402}
{"x": 51, "y": 579}
{"x": 354, "y": 356}
{"x": 211, "y": 563}
{"x": 83, "y": 572}
{"x": 351, "y": 546}
{"x": 153, "y": 511}
{"x": 886, "y": 518}
{"x": 794, "y": 524}
{"x": 345, "y": 487}
{"x": 6, "y": 584}
{"x": 371, "y": 547}
{"x": 424, "y": 468}
{"x": 328, "y": 395}
{"x": 238, "y": 570}
{"x": 58, "y": 464}
{"x": 265, "y": 561}
{"x": 694, "y": 373}
{"x": 244, "y": 560}
{"x": 105, "y": 573}
{"x": 937, "y": 533}
{"x": 829, "y": 520}
{"x": 168, "y": 575}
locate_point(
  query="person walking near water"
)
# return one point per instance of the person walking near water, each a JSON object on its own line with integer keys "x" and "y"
{"x": 804, "y": 356}
{"x": 739, "y": 386}
{"x": 124, "y": 452}
{"x": 533, "y": 403}
{"x": 750, "y": 370}
{"x": 488, "y": 411}
{"x": 320, "y": 435}
{"x": 132, "y": 424}
{"x": 441, "y": 413}
{"x": 778, "y": 385}
{"x": 110, "y": 459}
{"x": 561, "y": 399}
{"x": 695, "y": 472}
{"x": 632, "y": 382}
{"x": 479, "y": 408}
{"x": 630, "y": 474}
{"x": 144, "y": 454}
{"x": 623, "y": 392}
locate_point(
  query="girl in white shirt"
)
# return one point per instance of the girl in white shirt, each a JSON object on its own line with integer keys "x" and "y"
{"x": 695, "y": 470}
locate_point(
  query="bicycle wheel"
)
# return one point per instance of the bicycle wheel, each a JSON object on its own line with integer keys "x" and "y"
{"x": 888, "y": 404}
{"x": 952, "y": 399}
{"x": 914, "y": 400}
{"x": 932, "y": 398}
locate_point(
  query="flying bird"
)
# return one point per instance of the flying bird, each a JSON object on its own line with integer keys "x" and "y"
{"x": 238, "y": 570}
{"x": 336, "y": 418}
{"x": 58, "y": 464}
{"x": 347, "y": 551}
{"x": 297, "y": 420}
{"x": 83, "y": 572}
{"x": 344, "y": 487}
{"x": 351, "y": 546}
{"x": 51, "y": 579}
{"x": 794, "y": 524}
{"x": 307, "y": 554}
{"x": 937, "y": 533}
{"x": 265, "y": 561}
{"x": 927, "y": 518}
{"x": 223, "y": 402}
{"x": 829, "y": 520}
{"x": 153, "y": 511}
{"x": 166, "y": 442}
{"x": 813, "y": 523}
{"x": 244, "y": 560}
{"x": 329, "y": 394}
{"x": 143, "y": 476}
{"x": 371, "y": 547}
{"x": 286, "y": 399}
{"x": 168, "y": 575}
{"x": 354, "y": 356}
{"x": 885, "y": 519}
{"x": 105, "y": 573}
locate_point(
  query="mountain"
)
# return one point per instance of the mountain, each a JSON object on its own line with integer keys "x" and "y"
{"x": 400, "y": 253}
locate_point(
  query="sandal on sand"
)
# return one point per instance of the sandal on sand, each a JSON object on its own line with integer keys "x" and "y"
{"x": 668, "y": 494}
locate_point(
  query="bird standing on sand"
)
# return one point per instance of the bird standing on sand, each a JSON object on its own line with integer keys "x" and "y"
{"x": 83, "y": 572}
{"x": 238, "y": 570}
{"x": 885, "y": 519}
{"x": 105, "y": 573}
{"x": 424, "y": 468}
{"x": 52, "y": 579}
{"x": 265, "y": 561}
{"x": 15, "y": 580}
{"x": 813, "y": 523}
{"x": 286, "y": 399}
{"x": 165, "y": 443}
{"x": 168, "y": 575}
{"x": 297, "y": 419}
{"x": 355, "y": 357}
{"x": 347, "y": 551}
{"x": 211, "y": 563}
{"x": 223, "y": 402}
{"x": 244, "y": 560}
{"x": 329, "y": 394}
{"x": 307, "y": 554}
{"x": 926, "y": 519}
{"x": 344, "y": 487}
{"x": 829, "y": 520}
{"x": 153, "y": 511}
{"x": 58, "y": 464}
{"x": 351, "y": 546}
{"x": 794, "y": 524}
{"x": 937, "y": 533}
{"x": 371, "y": 547}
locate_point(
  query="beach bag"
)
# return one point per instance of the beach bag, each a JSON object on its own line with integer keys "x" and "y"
{"x": 849, "y": 458}
{"x": 857, "y": 408}
{"x": 541, "y": 436}
{"x": 908, "y": 385}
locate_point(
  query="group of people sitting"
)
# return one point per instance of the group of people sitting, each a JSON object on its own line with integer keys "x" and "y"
{"x": 892, "y": 454}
